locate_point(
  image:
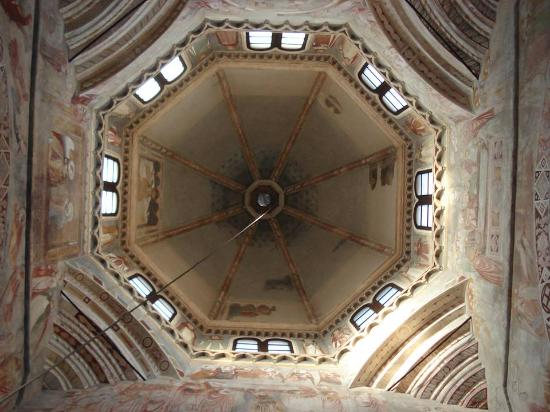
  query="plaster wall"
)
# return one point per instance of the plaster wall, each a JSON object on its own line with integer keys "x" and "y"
{"x": 210, "y": 395}
{"x": 39, "y": 122}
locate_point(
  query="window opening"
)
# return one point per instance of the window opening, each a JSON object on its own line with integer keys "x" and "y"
{"x": 369, "y": 311}
{"x": 173, "y": 69}
{"x": 387, "y": 295}
{"x": 246, "y": 345}
{"x": 279, "y": 346}
{"x": 423, "y": 210}
{"x": 275, "y": 346}
{"x": 148, "y": 90}
{"x": 372, "y": 77}
{"x": 389, "y": 96}
{"x": 394, "y": 101}
{"x": 260, "y": 40}
{"x": 141, "y": 285}
{"x": 153, "y": 86}
{"x": 165, "y": 309}
{"x": 266, "y": 40}
{"x": 144, "y": 288}
{"x": 109, "y": 195}
{"x": 361, "y": 317}
{"x": 293, "y": 41}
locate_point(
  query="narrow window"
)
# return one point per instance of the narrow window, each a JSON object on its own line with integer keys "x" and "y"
{"x": 246, "y": 345}
{"x": 279, "y": 346}
{"x": 361, "y": 316}
{"x": 173, "y": 69}
{"x": 293, "y": 41}
{"x": 394, "y": 101}
{"x": 109, "y": 195}
{"x": 382, "y": 299}
{"x": 423, "y": 210}
{"x": 386, "y": 296}
{"x": 371, "y": 77}
{"x": 259, "y": 40}
{"x": 141, "y": 285}
{"x": 390, "y": 97}
{"x": 165, "y": 309}
{"x": 148, "y": 90}
{"x": 265, "y": 40}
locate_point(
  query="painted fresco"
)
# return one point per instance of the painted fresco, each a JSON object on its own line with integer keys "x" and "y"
{"x": 4, "y": 159}
{"x": 15, "y": 19}
{"x": 249, "y": 310}
{"x": 340, "y": 336}
{"x": 479, "y": 150}
{"x": 227, "y": 396}
{"x": 148, "y": 192}
{"x": 283, "y": 283}
{"x": 64, "y": 176}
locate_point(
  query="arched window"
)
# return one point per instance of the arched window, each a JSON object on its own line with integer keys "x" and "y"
{"x": 423, "y": 209}
{"x": 361, "y": 316}
{"x": 386, "y": 296}
{"x": 275, "y": 346}
{"x": 369, "y": 311}
{"x": 390, "y": 97}
{"x": 109, "y": 194}
{"x": 169, "y": 72}
{"x": 371, "y": 77}
{"x": 394, "y": 101}
{"x": 246, "y": 345}
{"x": 141, "y": 285}
{"x": 293, "y": 41}
{"x": 259, "y": 40}
{"x": 144, "y": 288}
{"x": 279, "y": 346}
{"x": 165, "y": 309}
{"x": 266, "y": 40}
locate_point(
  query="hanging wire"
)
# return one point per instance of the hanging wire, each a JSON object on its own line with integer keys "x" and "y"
{"x": 152, "y": 297}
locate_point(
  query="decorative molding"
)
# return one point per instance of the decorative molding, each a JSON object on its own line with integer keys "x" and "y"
{"x": 123, "y": 41}
{"x": 369, "y": 98}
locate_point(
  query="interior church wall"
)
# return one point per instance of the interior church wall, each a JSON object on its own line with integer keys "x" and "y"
{"x": 57, "y": 144}
{"x": 224, "y": 395}
{"x": 529, "y": 360}
{"x": 15, "y": 61}
{"x": 479, "y": 192}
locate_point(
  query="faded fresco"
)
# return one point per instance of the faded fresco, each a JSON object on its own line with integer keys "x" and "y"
{"x": 530, "y": 337}
{"x": 148, "y": 192}
{"x": 64, "y": 177}
{"x": 211, "y": 395}
{"x": 15, "y": 35}
{"x": 480, "y": 225}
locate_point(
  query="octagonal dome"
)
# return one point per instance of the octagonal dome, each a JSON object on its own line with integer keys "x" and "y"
{"x": 304, "y": 128}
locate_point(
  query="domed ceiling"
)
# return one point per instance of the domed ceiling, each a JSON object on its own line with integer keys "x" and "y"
{"x": 294, "y": 135}
{"x": 294, "y": 141}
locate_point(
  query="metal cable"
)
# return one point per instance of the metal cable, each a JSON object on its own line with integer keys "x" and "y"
{"x": 150, "y": 298}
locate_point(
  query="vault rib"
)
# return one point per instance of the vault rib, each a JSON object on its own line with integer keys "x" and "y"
{"x": 245, "y": 146}
{"x": 296, "y": 279}
{"x": 232, "y": 271}
{"x": 338, "y": 231}
{"x": 365, "y": 161}
{"x": 188, "y": 227}
{"x": 169, "y": 154}
{"x": 281, "y": 161}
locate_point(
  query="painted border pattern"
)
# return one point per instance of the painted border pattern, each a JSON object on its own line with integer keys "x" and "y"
{"x": 208, "y": 25}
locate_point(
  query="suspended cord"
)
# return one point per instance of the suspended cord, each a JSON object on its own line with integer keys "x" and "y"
{"x": 152, "y": 297}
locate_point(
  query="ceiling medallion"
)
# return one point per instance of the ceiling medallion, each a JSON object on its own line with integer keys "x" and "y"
{"x": 264, "y": 196}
